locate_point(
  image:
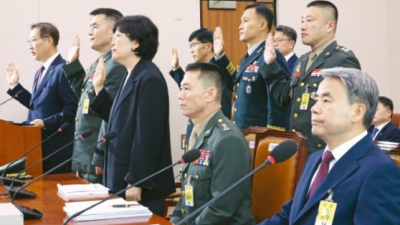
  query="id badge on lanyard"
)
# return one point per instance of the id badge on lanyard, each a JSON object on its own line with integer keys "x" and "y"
{"x": 326, "y": 211}
{"x": 189, "y": 201}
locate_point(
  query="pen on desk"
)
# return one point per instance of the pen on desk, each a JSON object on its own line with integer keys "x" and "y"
{"x": 124, "y": 205}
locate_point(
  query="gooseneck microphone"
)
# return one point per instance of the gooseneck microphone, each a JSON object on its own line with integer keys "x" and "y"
{"x": 15, "y": 96}
{"x": 6, "y": 180}
{"x": 28, "y": 194}
{"x": 188, "y": 157}
{"x": 280, "y": 153}
{"x": 31, "y": 213}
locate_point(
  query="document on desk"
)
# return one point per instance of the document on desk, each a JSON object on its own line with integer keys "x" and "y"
{"x": 111, "y": 209}
{"x": 82, "y": 191}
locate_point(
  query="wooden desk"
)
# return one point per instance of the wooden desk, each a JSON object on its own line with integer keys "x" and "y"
{"x": 50, "y": 204}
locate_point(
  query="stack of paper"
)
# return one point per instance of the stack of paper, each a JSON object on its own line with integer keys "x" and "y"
{"x": 82, "y": 191}
{"x": 111, "y": 209}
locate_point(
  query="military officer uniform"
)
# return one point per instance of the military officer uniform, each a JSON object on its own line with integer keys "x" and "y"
{"x": 89, "y": 119}
{"x": 254, "y": 106}
{"x": 226, "y": 100}
{"x": 305, "y": 81}
{"x": 225, "y": 158}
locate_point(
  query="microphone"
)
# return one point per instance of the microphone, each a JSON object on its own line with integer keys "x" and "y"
{"x": 280, "y": 153}
{"x": 7, "y": 181}
{"x": 15, "y": 96}
{"x": 188, "y": 157}
{"x": 31, "y": 213}
{"x": 28, "y": 194}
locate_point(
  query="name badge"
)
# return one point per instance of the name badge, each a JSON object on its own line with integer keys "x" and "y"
{"x": 189, "y": 201}
{"x": 85, "y": 107}
{"x": 305, "y": 98}
{"x": 326, "y": 211}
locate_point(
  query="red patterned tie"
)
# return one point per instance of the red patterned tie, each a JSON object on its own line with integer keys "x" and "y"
{"x": 322, "y": 172}
{"x": 40, "y": 77}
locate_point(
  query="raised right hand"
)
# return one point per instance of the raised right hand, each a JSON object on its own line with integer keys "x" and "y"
{"x": 174, "y": 58}
{"x": 99, "y": 76}
{"x": 218, "y": 42}
{"x": 73, "y": 52}
{"x": 12, "y": 74}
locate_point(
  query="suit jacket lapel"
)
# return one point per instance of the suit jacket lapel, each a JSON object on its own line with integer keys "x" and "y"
{"x": 338, "y": 174}
{"x": 245, "y": 62}
{"x": 49, "y": 73}
{"x": 319, "y": 60}
{"x": 128, "y": 88}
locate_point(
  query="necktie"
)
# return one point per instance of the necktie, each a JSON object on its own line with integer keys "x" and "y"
{"x": 311, "y": 59}
{"x": 246, "y": 56}
{"x": 192, "y": 140}
{"x": 322, "y": 172}
{"x": 374, "y": 132}
{"x": 40, "y": 77}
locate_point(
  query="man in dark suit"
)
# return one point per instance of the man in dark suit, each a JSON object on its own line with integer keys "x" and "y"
{"x": 382, "y": 129}
{"x": 254, "y": 105}
{"x": 222, "y": 145}
{"x": 352, "y": 181}
{"x": 140, "y": 114}
{"x": 202, "y": 50}
{"x": 89, "y": 164}
{"x": 52, "y": 101}
{"x": 318, "y": 31}
{"x": 284, "y": 40}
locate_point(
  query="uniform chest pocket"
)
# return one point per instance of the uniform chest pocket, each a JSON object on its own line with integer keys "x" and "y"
{"x": 201, "y": 186}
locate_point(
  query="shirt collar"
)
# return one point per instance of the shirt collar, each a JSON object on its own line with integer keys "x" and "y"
{"x": 253, "y": 48}
{"x": 321, "y": 48}
{"x": 288, "y": 56}
{"x": 342, "y": 149}
{"x": 50, "y": 60}
{"x": 381, "y": 126}
{"x": 200, "y": 127}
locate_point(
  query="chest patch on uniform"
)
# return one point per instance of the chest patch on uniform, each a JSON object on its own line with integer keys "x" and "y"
{"x": 204, "y": 159}
{"x": 316, "y": 73}
{"x": 252, "y": 68}
{"x": 91, "y": 77}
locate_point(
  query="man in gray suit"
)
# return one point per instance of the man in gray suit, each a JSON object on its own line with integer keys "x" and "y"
{"x": 89, "y": 165}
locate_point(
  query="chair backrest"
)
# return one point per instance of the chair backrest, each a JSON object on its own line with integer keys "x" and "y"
{"x": 396, "y": 119}
{"x": 392, "y": 148}
{"x": 250, "y": 135}
{"x": 274, "y": 184}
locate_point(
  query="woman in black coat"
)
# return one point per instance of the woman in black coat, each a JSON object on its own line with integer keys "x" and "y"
{"x": 140, "y": 114}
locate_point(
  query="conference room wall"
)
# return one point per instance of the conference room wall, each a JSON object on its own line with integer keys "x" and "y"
{"x": 175, "y": 19}
{"x": 369, "y": 28}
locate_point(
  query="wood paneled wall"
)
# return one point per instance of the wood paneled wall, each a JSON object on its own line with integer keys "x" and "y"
{"x": 229, "y": 21}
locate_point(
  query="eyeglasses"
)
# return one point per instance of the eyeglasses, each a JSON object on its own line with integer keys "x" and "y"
{"x": 33, "y": 40}
{"x": 193, "y": 44}
{"x": 280, "y": 40}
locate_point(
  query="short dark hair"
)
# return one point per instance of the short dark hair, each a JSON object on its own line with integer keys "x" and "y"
{"x": 143, "y": 30}
{"x": 288, "y": 31}
{"x": 263, "y": 11}
{"x": 112, "y": 14}
{"x": 387, "y": 102}
{"x": 326, "y": 5}
{"x": 210, "y": 75}
{"x": 47, "y": 30}
{"x": 204, "y": 35}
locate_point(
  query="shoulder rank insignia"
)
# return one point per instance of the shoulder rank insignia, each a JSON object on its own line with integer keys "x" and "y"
{"x": 204, "y": 159}
{"x": 225, "y": 127}
{"x": 230, "y": 68}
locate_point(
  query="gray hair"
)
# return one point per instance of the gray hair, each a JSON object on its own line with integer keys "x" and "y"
{"x": 361, "y": 88}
